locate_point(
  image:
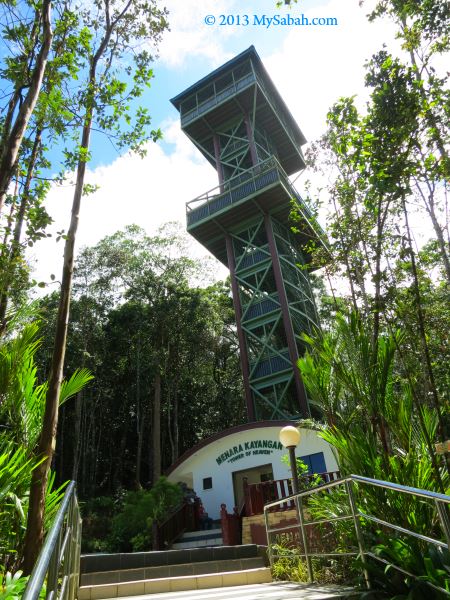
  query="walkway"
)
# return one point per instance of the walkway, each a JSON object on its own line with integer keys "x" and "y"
{"x": 273, "y": 591}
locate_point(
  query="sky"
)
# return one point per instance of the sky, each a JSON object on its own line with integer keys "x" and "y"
{"x": 311, "y": 66}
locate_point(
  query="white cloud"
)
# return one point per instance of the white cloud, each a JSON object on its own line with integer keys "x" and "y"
{"x": 189, "y": 38}
{"x": 148, "y": 192}
{"x": 312, "y": 68}
{"x": 317, "y": 65}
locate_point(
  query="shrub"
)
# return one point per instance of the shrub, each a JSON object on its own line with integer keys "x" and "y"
{"x": 124, "y": 523}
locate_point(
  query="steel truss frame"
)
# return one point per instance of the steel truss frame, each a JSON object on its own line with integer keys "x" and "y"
{"x": 271, "y": 373}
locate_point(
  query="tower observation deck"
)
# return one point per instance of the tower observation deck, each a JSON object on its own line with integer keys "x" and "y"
{"x": 239, "y": 122}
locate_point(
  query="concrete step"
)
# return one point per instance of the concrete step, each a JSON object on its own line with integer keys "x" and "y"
{"x": 208, "y": 541}
{"x": 199, "y": 539}
{"x": 175, "y": 584}
{"x": 159, "y": 572}
{"x": 191, "y": 535}
{"x": 94, "y": 563}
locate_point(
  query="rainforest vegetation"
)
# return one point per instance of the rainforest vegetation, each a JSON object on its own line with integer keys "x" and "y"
{"x": 133, "y": 357}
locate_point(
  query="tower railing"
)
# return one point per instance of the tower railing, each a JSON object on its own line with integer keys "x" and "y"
{"x": 238, "y": 85}
{"x": 255, "y": 179}
{"x": 217, "y": 98}
{"x": 360, "y": 520}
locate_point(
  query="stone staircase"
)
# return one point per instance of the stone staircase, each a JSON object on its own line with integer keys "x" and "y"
{"x": 199, "y": 539}
{"x": 200, "y": 568}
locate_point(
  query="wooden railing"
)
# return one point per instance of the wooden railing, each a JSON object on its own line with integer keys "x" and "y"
{"x": 184, "y": 518}
{"x": 258, "y": 494}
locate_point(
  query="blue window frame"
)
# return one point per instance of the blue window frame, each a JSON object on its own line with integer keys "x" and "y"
{"x": 315, "y": 463}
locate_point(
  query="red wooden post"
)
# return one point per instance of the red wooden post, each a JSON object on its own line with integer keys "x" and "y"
{"x": 248, "y": 500}
{"x": 231, "y": 526}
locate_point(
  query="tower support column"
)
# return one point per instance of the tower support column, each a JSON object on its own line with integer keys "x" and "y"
{"x": 242, "y": 345}
{"x": 251, "y": 139}
{"x": 292, "y": 346}
{"x": 216, "y": 142}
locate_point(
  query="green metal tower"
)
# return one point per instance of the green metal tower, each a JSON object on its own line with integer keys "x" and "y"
{"x": 239, "y": 122}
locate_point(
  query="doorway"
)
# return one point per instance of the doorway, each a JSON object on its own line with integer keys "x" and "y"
{"x": 254, "y": 475}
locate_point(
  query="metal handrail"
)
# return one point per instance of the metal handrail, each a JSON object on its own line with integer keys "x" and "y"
{"x": 58, "y": 564}
{"x": 234, "y": 182}
{"x": 440, "y": 501}
{"x": 208, "y": 200}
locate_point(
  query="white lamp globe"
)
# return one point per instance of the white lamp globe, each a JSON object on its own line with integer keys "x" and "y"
{"x": 289, "y": 436}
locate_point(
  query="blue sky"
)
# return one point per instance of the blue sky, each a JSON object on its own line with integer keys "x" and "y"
{"x": 311, "y": 66}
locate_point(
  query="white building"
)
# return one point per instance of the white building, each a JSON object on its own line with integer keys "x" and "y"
{"x": 215, "y": 467}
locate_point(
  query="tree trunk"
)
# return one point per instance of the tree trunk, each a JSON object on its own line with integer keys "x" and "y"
{"x": 422, "y": 333}
{"x": 443, "y": 247}
{"x": 10, "y": 150}
{"x": 157, "y": 428}
{"x": 140, "y": 420}
{"x": 138, "y": 484}
{"x": 176, "y": 431}
{"x": 15, "y": 246}
{"x": 35, "y": 532}
{"x": 77, "y": 436}
{"x": 169, "y": 421}
{"x": 35, "y": 520}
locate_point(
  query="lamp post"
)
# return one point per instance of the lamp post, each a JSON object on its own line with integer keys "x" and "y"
{"x": 290, "y": 437}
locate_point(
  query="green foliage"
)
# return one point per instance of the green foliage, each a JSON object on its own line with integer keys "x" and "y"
{"x": 13, "y": 586}
{"x": 304, "y": 480}
{"x": 289, "y": 565}
{"x": 97, "y": 514}
{"x": 21, "y": 412}
{"x": 125, "y": 524}
{"x": 377, "y": 430}
{"x": 145, "y": 290}
{"x": 432, "y": 563}
{"x": 132, "y": 527}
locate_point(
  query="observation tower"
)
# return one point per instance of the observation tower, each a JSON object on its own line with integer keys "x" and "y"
{"x": 239, "y": 122}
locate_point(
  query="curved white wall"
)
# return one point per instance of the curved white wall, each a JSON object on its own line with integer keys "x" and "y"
{"x": 235, "y": 452}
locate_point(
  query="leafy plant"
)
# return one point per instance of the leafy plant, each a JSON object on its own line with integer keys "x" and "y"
{"x": 21, "y": 412}
{"x": 132, "y": 528}
{"x": 412, "y": 556}
{"x": 305, "y": 480}
{"x": 377, "y": 430}
{"x": 13, "y": 586}
{"x": 289, "y": 565}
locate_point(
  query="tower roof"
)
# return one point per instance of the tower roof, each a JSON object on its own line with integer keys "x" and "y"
{"x": 203, "y": 107}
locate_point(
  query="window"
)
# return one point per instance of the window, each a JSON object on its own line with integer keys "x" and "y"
{"x": 315, "y": 463}
{"x": 207, "y": 483}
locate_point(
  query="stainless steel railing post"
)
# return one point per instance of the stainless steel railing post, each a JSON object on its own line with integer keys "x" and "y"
{"x": 301, "y": 520}
{"x": 359, "y": 535}
{"x": 269, "y": 545}
{"x": 52, "y": 578}
{"x": 444, "y": 519}
{"x": 58, "y": 561}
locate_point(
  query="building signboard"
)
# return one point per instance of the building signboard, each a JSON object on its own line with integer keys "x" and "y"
{"x": 248, "y": 448}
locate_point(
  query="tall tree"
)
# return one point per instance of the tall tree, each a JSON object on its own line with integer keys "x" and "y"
{"x": 119, "y": 29}
{"x": 128, "y": 289}
{"x": 26, "y": 72}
